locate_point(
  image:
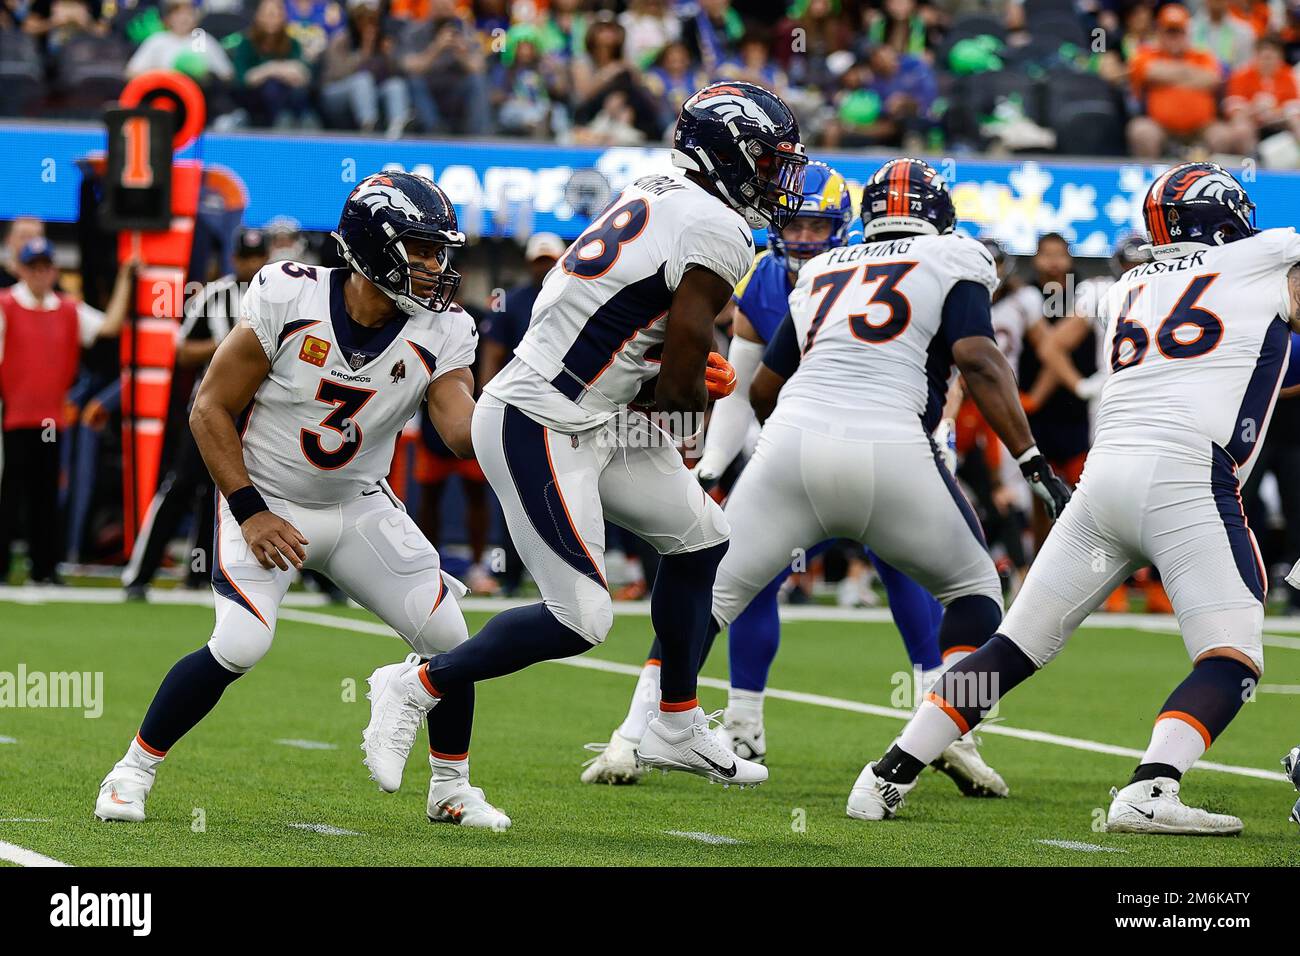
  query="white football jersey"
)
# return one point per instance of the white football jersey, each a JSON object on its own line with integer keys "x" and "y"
{"x": 1013, "y": 316}
{"x": 869, "y": 324}
{"x": 598, "y": 323}
{"x": 320, "y": 431}
{"x": 1197, "y": 346}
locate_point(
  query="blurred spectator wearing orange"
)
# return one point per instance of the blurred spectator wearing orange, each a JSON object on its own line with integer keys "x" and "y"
{"x": 1262, "y": 98}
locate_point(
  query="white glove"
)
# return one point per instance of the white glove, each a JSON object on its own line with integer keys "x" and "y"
{"x": 1293, "y": 578}
{"x": 1090, "y": 387}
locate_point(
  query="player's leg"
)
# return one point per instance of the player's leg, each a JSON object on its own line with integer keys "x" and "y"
{"x": 247, "y": 600}
{"x": 547, "y": 484}
{"x": 1080, "y": 563}
{"x": 1210, "y": 565}
{"x": 916, "y": 613}
{"x": 387, "y": 565}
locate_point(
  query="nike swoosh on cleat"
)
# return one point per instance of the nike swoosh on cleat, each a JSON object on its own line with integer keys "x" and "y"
{"x": 724, "y": 771}
{"x": 1150, "y": 815}
{"x": 112, "y": 795}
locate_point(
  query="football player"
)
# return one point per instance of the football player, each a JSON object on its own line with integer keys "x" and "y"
{"x": 1198, "y": 344}
{"x": 757, "y": 307}
{"x": 625, "y": 318}
{"x": 297, "y": 419}
{"x": 862, "y": 364}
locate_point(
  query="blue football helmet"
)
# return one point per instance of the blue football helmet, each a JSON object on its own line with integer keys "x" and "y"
{"x": 825, "y": 196}
{"x": 745, "y": 141}
{"x": 1196, "y": 204}
{"x": 906, "y": 197}
{"x": 383, "y": 212}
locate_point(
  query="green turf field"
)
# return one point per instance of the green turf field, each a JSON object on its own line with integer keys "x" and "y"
{"x": 243, "y": 792}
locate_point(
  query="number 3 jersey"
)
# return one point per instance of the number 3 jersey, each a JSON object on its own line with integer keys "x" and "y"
{"x": 875, "y": 334}
{"x": 598, "y": 323}
{"x": 1197, "y": 346}
{"x": 322, "y": 427}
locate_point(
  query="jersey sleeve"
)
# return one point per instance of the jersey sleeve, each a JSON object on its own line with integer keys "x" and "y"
{"x": 462, "y": 342}
{"x": 742, "y": 287}
{"x": 965, "y": 260}
{"x": 263, "y": 306}
{"x": 715, "y": 239}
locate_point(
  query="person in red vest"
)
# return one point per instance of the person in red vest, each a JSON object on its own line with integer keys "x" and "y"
{"x": 42, "y": 331}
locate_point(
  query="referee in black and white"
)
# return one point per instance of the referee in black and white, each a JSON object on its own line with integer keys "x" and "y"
{"x": 187, "y": 487}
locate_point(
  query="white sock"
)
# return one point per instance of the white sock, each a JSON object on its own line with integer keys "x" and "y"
{"x": 645, "y": 702}
{"x": 139, "y": 758}
{"x": 928, "y": 733}
{"x": 746, "y": 705}
{"x": 678, "y": 719}
{"x": 414, "y": 681}
{"x": 444, "y": 770}
{"x": 1176, "y": 742}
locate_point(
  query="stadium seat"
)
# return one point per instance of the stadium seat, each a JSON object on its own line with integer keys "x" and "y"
{"x": 21, "y": 76}
{"x": 89, "y": 71}
{"x": 977, "y": 98}
{"x": 1060, "y": 27}
{"x": 965, "y": 27}
{"x": 1086, "y": 113}
{"x": 223, "y": 24}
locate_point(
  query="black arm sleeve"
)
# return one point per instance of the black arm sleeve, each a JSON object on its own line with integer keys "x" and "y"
{"x": 782, "y": 352}
{"x": 967, "y": 312}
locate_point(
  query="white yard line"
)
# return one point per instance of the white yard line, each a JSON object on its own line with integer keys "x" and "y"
{"x": 306, "y": 744}
{"x": 1081, "y": 847}
{"x": 712, "y": 839}
{"x": 324, "y": 829}
{"x": 24, "y": 857}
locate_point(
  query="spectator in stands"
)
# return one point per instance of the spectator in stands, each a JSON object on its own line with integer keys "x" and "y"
{"x": 314, "y": 23}
{"x": 42, "y": 332}
{"x": 672, "y": 79}
{"x": 1291, "y": 32}
{"x": 605, "y": 70}
{"x": 1175, "y": 85}
{"x": 271, "y": 75}
{"x": 650, "y": 27}
{"x": 613, "y": 125}
{"x": 1256, "y": 14}
{"x": 21, "y": 231}
{"x": 358, "y": 72}
{"x": 811, "y": 31}
{"x": 444, "y": 61}
{"x": 528, "y": 89}
{"x": 564, "y": 31}
{"x": 1227, "y": 37}
{"x": 1262, "y": 99}
{"x": 713, "y": 33}
{"x": 887, "y": 101}
{"x": 491, "y": 16}
{"x": 900, "y": 24}
{"x": 1139, "y": 29}
{"x": 753, "y": 63}
{"x": 183, "y": 46}
{"x": 58, "y": 21}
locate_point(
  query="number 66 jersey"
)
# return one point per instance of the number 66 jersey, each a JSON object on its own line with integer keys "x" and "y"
{"x": 322, "y": 427}
{"x": 1197, "y": 346}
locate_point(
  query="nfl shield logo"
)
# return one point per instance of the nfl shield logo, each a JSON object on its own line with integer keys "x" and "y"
{"x": 356, "y": 360}
{"x": 398, "y": 371}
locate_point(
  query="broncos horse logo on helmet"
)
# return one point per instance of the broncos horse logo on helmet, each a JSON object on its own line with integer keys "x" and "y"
{"x": 383, "y": 213}
{"x": 745, "y": 141}
{"x": 1196, "y": 204}
{"x": 825, "y": 196}
{"x": 906, "y": 197}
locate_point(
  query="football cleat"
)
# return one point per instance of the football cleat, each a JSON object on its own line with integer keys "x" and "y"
{"x": 1152, "y": 806}
{"x": 398, "y": 705}
{"x": 455, "y": 801}
{"x": 614, "y": 763}
{"x": 1291, "y": 764}
{"x": 874, "y": 799}
{"x": 974, "y": 778}
{"x": 123, "y": 793}
{"x": 744, "y": 738}
{"x": 697, "y": 750}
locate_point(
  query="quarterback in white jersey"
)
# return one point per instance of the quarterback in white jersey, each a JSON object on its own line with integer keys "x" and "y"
{"x": 626, "y": 318}
{"x": 297, "y": 420}
{"x": 861, "y": 366}
{"x": 1198, "y": 343}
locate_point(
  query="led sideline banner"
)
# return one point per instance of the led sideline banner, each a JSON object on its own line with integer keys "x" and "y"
{"x": 507, "y": 188}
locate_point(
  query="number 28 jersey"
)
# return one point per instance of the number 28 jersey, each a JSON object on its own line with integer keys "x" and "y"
{"x": 598, "y": 324}
{"x": 1197, "y": 346}
{"x": 322, "y": 427}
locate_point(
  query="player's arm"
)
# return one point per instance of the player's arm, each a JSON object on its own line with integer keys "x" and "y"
{"x": 1046, "y": 382}
{"x": 1055, "y": 353}
{"x": 992, "y": 385}
{"x": 451, "y": 408}
{"x": 238, "y": 368}
{"x": 732, "y": 415}
{"x": 780, "y": 359}
{"x": 680, "y": 386}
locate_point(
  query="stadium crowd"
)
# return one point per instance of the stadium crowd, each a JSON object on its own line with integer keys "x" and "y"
{"x": 1090, "y": 77}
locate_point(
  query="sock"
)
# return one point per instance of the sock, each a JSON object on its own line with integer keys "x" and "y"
{"x": 754, "y": 638}
{"x": 509, "y": 642}
{"x": 968, "y": 622}
{"x": 915, "y": 614}
{"x": 446, "y": 768}
{"x": 745, "y": 705}
{"x": 965, "y": 693}
{"x": 897, "y": 766}
{"x": 451, "y": 723}
{"x": 189, "y": 691}
{"x": 681, "y": 611}
{"x": 140, "y": 758}
{"x": 678, "y": 715}
{"x": 645, "y": 701}
{"x": 1198, "y": 710}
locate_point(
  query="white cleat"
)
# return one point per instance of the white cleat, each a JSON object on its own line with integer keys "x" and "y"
{"x": 455, "y": 801}
{"x": 697, "y": 750}
{"x": 974, "y": 778}
{"x": 123, "y": 793}
{"x": 744, "y": 738}
{"x": 614, "y": 763}
{"x": 398, "y": 705}
{"x": 874, "y": 799}
{"x": 1153, "y": 806}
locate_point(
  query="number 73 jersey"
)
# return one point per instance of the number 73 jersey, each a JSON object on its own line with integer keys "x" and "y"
{"x": 322, "y": 427}
{"x": 1197, "y": 346}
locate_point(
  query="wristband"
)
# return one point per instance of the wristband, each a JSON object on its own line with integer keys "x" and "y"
{"x": 245, "y": 503}
{"x": 1028, "y": 455}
